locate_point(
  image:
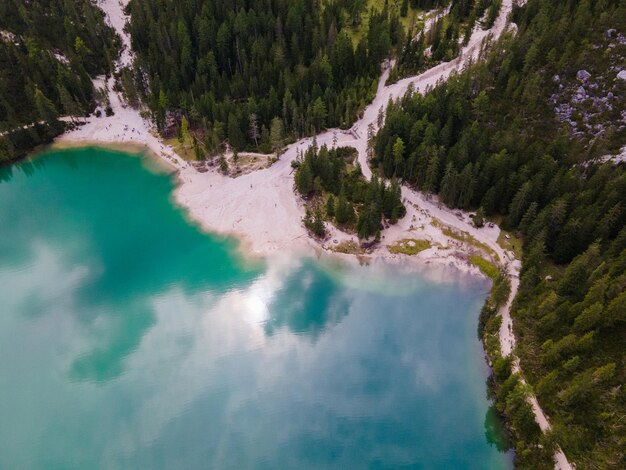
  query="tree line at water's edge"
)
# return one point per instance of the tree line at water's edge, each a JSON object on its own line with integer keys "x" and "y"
{"x": 227, "y": 71}
{"x": 513, "y": 137}
{"x": 49, "y": 52}
{"x": 495, "y": 137}
{"x": 335, "y": 190}
{"x": 231, "y": 70}
{"x": 232, "y": 67}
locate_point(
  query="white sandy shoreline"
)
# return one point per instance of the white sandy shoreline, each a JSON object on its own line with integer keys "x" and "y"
{"x": 262, "y": 210}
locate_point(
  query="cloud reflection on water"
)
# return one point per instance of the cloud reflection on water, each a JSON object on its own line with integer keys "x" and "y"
{"x": 179, "y": 355}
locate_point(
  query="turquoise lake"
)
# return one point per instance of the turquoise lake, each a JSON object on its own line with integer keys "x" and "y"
{"x": 131, "y": 340}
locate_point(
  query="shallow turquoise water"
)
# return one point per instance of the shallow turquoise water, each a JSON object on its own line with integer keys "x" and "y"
{"x": 128, "y": 339}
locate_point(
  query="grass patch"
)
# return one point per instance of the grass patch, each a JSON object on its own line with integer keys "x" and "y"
{"x": 486, "y": 267}
{"x": 358, "y": 32}
{"x": 464, "y": 237}
{"x": 348, "y": 247}
{"x": 409, "y": 246}
{"x": 184, "y": 151}
{"x": 512, "y": 243}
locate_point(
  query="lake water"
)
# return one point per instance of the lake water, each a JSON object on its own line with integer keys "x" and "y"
{"x": 131, "y": 340}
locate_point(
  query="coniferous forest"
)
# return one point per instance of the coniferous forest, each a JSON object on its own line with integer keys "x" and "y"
{"x": 496, "y": 137}
{"x": 332, "y": 182}
{"x": 232, "y": 67}
{"x": 448, "y": 34}
{"x": 524, "y": 137}
{"x": 49, "y": 52}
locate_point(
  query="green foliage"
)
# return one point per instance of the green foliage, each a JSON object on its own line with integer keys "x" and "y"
{"x": 276, "y": 135}
{"x": 223, "y": 165}
{"x": 49, "y": 51}
{"x": 326, "y": 171}
{"x": 344, "y": 213}
{"x": 525, "y": 171}
{"x": 304, "y": 180}
{"x": 315, "y": 222}
{"x": 488, "y": 138}
{"x": 488, "y": 268}
{"x": 443, "y": 39}
{"x": 501, "y": 289}
{"x": 330, "y": 206}
{"x": 409, "y": 246}
{"x": 45, "y": 108}
{"x": 184, "y": 130}
{"x": 479, "y": 218}
{"x": 250, "y": 65}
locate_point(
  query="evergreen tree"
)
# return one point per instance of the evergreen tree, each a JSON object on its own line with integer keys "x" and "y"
{"x": 304, "y": 179}
{"x": 50, "y": 51}
{"x": 479, "y": 218}
{"x": 254, "y": 129}
{"x": 404, "y": 9}
{"x": 184, "y": 130}
{"x": 398, "y": 152}
{"x": 45, "y": 107}
{"x": 342, "y": 212}
{"x": 330, "y": 206}
{"x": 235, "y": 136}
{"x": 276, "y": 136}
{"x": 318, "y": 223}
{"x": 7, "y": 152}
{"x": 294, "y": 61}
{"x": 70, "y": 106}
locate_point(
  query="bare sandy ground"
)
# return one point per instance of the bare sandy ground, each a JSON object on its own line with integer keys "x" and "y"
{"x": 262, "y": 210}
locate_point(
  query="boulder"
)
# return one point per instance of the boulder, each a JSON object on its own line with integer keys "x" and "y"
{"x": 583, "y": 75}
{"x": 621, "y": 75}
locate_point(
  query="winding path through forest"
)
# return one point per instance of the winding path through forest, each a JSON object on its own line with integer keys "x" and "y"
{"x": 261, "y": 207}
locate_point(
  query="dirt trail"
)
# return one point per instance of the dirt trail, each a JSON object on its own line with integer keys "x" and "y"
{"x": 260, "y": 207}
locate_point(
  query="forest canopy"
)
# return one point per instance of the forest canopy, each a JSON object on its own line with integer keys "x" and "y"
{"x": 49, "y": 52}
{"x": 522, "y": 136}
{"x": 232, "y": 66}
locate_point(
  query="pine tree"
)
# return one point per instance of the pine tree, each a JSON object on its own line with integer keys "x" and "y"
{"x": 7, "y": 152}
{"x": 449, "y": 188}
{"x": 362, "y": 224}
{"x": 70, "y": 106}
{"x": 432, "y": 174}
{"x": 330, "y": 206}
{"x": 184, "y": 130}
{"x": 466, "y": 191}
{"x": 276, "y": 136}
{"x": 342, "y": 212}
{"x": 318, "y": 223}
{"x": 161, "y": 109}
{"x": 404, "y": 9}
{"x": 254, "y": 129}
{"x": 45, "y": 107}
{"x": 304, "y": 179}
{"x": 223, "y": 165}
{"x": 318, "y": 114}
{"x": 398, "y": 155}
{"x": 479, "y": 217}
{"x": 235, "y": 136}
